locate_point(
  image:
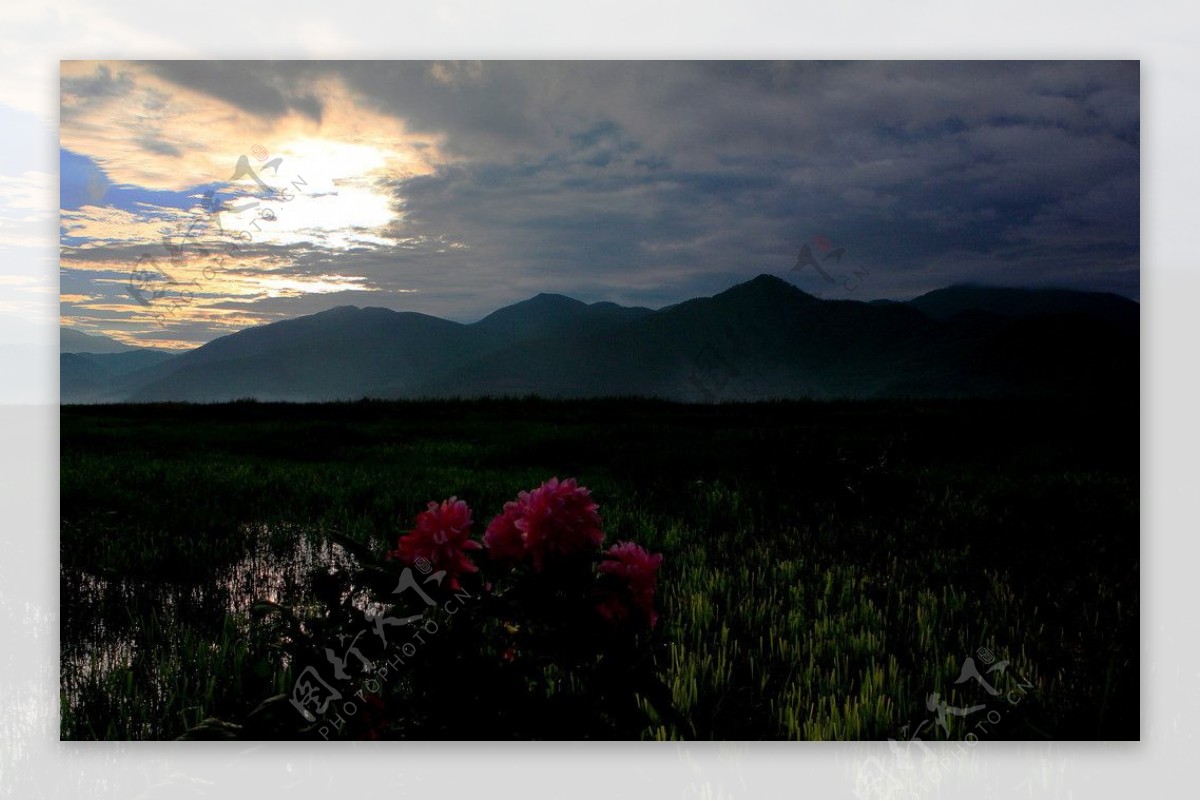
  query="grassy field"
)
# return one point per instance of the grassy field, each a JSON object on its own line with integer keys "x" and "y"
{"x": 827, "y": 566}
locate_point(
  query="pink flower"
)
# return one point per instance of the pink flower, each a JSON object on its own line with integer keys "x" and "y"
{"x": 443, "y": 536}
{"x": 557, "y": 519}
{"x": 505, "y": 542}
{"x": 638, "y": 570}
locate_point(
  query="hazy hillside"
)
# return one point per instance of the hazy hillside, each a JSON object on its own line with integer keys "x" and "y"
{"x": 345, "y": 352}
{"x": 72, "y": 341}
{"x": 91, "y": 377}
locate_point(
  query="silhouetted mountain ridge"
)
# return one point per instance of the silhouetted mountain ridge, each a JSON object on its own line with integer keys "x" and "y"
{"x": 764, "y": 338}
{"x": 1012, "y": 302}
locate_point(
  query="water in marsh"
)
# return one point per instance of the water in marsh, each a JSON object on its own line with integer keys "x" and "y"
{"x": 135, "y": 645}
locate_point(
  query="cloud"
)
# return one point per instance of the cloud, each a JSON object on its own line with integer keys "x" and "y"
{"x": 170, "y": 125}
{"x": 455, "y": 187}
{"x": 456, "y": 73}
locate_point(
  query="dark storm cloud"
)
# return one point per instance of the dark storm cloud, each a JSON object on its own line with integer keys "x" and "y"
{"x": 650, "y": 182}
{"x": 264, "y": 88}
{"x": 934, "y": 173}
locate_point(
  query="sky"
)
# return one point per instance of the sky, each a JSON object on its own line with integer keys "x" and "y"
{"x": 203, "y": 197}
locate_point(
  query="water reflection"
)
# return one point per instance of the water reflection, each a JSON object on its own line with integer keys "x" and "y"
{"x": 136, "y": 642}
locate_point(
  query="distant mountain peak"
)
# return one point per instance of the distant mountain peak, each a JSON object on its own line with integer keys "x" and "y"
{"x": 766, "y": 285}
{"x": 766, "y": 279}
{"x": 553, "y": 298}
{"x": 543, "y": 308}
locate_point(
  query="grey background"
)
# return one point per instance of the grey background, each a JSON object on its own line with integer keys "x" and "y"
{"x": 1162, "y": 35}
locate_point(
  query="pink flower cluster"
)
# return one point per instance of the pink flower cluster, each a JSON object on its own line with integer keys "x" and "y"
{"x": 542, "y": 527}
{"x": 558, "y": 519}
{"x": 443, "y": 536}
{"x": 638, "y": 568}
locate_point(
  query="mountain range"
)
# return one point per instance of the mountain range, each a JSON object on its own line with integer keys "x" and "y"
{"x": 762, "y": 339}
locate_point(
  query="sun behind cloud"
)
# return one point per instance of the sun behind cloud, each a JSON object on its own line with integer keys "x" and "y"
{"x": 217, "y": 202}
